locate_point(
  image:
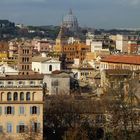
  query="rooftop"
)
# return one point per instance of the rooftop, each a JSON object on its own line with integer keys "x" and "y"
{"x": 43, "y": 59}
{"x": 126, "y": 59}
{"x": 22, "y": 77}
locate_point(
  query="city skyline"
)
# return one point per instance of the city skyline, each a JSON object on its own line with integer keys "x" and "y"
{"x": 90, "y": 13}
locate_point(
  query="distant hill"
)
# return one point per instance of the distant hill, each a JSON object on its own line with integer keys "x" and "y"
{"x": 7, "y": 29}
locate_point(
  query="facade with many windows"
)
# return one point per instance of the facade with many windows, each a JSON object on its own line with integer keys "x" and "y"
{"x": 21, "y": 106}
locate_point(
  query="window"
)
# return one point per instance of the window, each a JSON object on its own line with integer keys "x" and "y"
{"x": 20, "y": 82}
{"x": 35, "y": 126}
{"x": 0, "y": 110}
{"x": 27, "y": 60}
{"x": 21, "y": 96}
{"x": 9, "y": 127}
{"x": 34, "y": 110}
{"x": 27, "y": 67}
{"x": 1, "y": 84}
{"x": 21, "y": 110}
{"x": 15, "y": 97}
{"x": 9, "y": 96}
{"x": 9, "y": 110}
{"x": 21, "y": 128}
{"x": 10, "y": 83}
{"x": 27, "y": 51}
{"x": 50, "y": 67}
{"x": 28, "y": 96}
{"x": 32, "y": 82}
{"x": 55, "y": 83}
{"x": 100, "y": 119}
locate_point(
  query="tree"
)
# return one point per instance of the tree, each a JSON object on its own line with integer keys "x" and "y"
{"x": 32, "y": 131}
{"x": 120, "y": 102}
{"x": 60, "y": 114}
{"x": 69, "y": 117}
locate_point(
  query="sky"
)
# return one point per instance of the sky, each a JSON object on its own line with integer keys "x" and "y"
{"x": 105, "y": 14}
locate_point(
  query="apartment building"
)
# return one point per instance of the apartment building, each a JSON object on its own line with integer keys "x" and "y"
{"x": 21, "y": 106}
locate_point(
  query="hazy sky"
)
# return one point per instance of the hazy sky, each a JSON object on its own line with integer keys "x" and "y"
{"x": 93, "y": 13}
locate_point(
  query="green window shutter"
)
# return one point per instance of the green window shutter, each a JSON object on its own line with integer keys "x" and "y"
{"x": 17, "y": 128}
{"x": 30, "y": 109}
{"x": 38, "y": 110}
{"x": 19, "y": 110}
{"x": 0, "y": 110}
{"x": 38, "y": 127}
{"x": 13, "y": 110}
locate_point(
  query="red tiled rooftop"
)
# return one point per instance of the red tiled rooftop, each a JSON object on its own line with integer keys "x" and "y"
{"x": 126, "y": 59}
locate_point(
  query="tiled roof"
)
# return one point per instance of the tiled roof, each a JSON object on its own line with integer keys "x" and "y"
{"x": 85, "y": 66}
{"x": 23, "y": 77}
{"x": 43, "y": 59}
{"x": 125, "y": 59}
{"x": 40, "y": 59}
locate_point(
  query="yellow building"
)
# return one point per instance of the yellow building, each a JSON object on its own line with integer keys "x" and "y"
{"x": 21, "y": 106}
{"x": 75, "y": 50}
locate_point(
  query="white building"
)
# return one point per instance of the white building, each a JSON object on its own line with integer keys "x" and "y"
{"x": 7, "y": 70}
{"x": 83, "y": 71}
{"x": 57, "y": 83}
{"x": 45, "y": 65}
{"x": 97, "y": 46}
{"x": 121, "y": 43}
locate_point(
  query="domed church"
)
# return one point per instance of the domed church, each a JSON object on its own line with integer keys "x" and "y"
{"x": 70, "y": 22}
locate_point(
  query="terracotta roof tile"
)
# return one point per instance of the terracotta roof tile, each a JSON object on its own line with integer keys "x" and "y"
{"x": 126, "y": 59}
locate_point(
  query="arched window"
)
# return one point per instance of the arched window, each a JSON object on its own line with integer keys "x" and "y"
{"x": 50, "y": 67}
{"x": 21, "y": 96}
{"x": 9, "y": 96}
{"x": 28, "y": 96}
{"x": 15, "y": 96}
